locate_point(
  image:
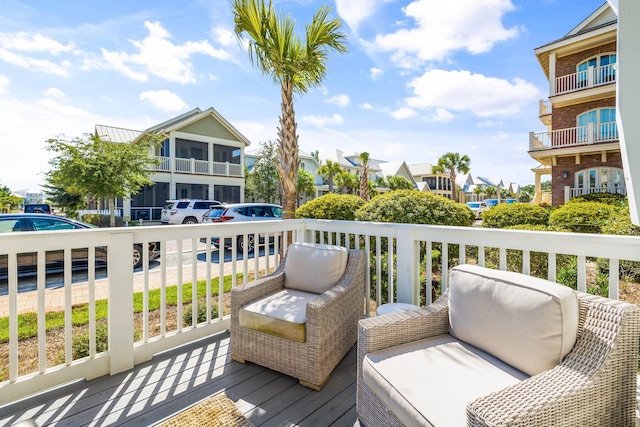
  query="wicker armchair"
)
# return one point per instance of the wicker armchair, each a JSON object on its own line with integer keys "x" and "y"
{"x": 594, "y": 385}
{"x": 331, "y": 326}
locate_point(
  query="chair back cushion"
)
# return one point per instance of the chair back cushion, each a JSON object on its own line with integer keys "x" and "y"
{"x": 527, "y": 322}
{"x": 314, "y": 267}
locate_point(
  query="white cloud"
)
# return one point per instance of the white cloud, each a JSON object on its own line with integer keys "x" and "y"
{"x": 33, "y": 43}
{"x": 375, "y": 73}
{"x": 4, "y": 83}
{"x": 164, "y": 100}
{"x": 442, "y": 116}
{"x": 321, "y": 121}
{"x": 353, "y": 12}
{"x": 53, "y": 92}
{"x": 42, "y": 65}
{"x": 158, "y": 56}
{"x": 462, "y": 91}
{"x": 341, "y": 100}
{"x": 224, "y": 37}
{"x": 488, "y": 124}
{"x": 403, "y": 113}
{"x": 444, "y": 27}
{"x": 366, "y": 106}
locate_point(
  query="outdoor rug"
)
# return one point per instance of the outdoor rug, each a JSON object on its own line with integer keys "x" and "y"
{"x": 215, "y": 411}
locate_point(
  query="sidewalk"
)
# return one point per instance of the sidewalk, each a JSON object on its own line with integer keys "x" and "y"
{"x": 55, "y": 298}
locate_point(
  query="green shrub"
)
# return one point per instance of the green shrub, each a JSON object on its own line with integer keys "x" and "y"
{"x": 415, "y": 207}
{"x": 80, "y": 342}
{"x": 508, "y": 215}
{"x": 585, "y": 217}
{"x": 100, "y": 220}
{"x": 620, "y": 223}
{"x": 202, "y": 313}
{"x": 608, "y": 198}
{"x": 331, "y": 206}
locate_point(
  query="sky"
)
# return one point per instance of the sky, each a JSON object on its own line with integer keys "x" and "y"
{"x": 420, "y": 78}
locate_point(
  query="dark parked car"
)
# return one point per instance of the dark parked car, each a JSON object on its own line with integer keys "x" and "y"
{"x": 55, "y": 259}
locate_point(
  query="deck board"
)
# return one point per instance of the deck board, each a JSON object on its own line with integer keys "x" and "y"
{"x": 177, "y": 379}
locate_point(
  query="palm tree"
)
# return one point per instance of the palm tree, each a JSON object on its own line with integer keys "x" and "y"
{"x": 364, "y": 176}
{"x": 297, "y": 65}
{"x": 453, "y": 163}
{"x": 329, "y": 170}
{"x": 347, "y": 183}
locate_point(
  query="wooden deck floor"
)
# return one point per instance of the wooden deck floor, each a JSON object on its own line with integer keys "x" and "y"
{"x": 177, "y": 379}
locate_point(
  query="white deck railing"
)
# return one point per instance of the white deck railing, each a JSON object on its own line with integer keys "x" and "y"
{"x": 581, "y": 135}
{"x": 405, "y": 262}
{"x": 594, "y": 76}
{"x": 200, "y": 167}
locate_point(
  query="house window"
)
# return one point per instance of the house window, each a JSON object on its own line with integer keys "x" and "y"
{"x": 602, "y": 66}
{"x": 598, "y": 180}
{"x": 224, "y": 153}
{"x": 604, "y": 125}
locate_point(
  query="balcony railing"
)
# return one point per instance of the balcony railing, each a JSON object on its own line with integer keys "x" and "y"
{"x": 406, "y": 262}
{"x": 580, "y": 191}
{"x": 594, "y": 76}
{"x": 581, "y": 135}
{"x": 199, "y": 167}
{"x": 545, "y": 107}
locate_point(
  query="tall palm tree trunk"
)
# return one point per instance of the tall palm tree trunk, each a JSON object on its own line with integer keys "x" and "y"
{"x": 287, "y": 146}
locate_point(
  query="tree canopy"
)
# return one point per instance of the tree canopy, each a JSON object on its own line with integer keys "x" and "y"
{"x": 92, "y": 168}
{"x": 263, "y": 178}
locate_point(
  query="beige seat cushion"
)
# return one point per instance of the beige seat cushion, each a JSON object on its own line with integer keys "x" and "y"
{"x": 527, "y": 322}
{"x": 282, "y": 314}
{"x": 314, "y": 267}
{"x": 430, "y": 382}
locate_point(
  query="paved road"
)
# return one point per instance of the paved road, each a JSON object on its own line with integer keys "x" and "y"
{"x": 55, "y": 297}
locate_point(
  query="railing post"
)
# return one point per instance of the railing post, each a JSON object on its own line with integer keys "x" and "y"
{"x": 226, "y": 168}
{"x": 590, "y": 76}
{"x": 120, "y": 276}
{"x": 567, "y": 194}
{"x": 408, "y": 267}
{"x": 590, "y": 133}
{"x": 193, "y": 165}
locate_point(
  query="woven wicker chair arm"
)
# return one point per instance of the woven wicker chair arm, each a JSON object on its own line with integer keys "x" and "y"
{"x": 585, "y": 387}
{"x": 381, "y": 332}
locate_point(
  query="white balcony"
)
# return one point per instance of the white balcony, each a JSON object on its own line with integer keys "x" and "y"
{"x": 581, "y": 135}
{"x": 593, "y": 77}
{"x": 199, "y": 167}
{"x": 147, "y": 384}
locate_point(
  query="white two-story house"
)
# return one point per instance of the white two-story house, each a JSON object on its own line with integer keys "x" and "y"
{"x": 201, "y": 157}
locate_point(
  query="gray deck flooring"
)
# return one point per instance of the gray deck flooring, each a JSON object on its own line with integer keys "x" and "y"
{"x": 175, "y": 380}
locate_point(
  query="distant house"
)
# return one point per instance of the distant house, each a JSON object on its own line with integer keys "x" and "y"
{"x": 201, "y": 157}
{"x": 580, "y": 148}
{"x": 427, "y": 180}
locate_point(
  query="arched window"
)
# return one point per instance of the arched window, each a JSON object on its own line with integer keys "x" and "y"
{"x": 598, "y": 125}
{"x": 603, "y": 70}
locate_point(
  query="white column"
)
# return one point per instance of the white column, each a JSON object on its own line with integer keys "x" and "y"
{"x": 552, "y": 74}
{"x": 627, "y": 95}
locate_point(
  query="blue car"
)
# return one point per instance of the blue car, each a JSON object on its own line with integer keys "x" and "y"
{"x": 491, "y": 202}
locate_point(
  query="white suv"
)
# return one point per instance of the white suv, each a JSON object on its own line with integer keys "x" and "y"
{"x": 185, "y": 211}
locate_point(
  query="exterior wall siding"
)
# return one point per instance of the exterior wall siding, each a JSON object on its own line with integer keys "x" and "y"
{"x": 209, "y": 126}
{"x": 568, "y": 164}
